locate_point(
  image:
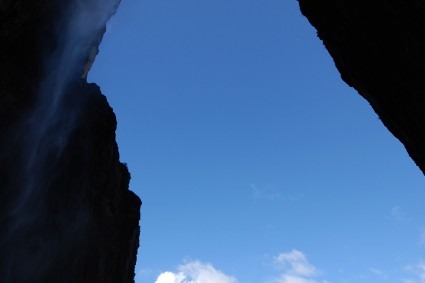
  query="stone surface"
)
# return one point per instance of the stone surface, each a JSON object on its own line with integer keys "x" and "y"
{"x": 379, "y": 48}
{"x": 66, "y": 213}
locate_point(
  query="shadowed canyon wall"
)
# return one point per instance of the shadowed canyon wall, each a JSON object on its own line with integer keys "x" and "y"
{"x": 379, "y": 48}
{"x": 66, "y": 213}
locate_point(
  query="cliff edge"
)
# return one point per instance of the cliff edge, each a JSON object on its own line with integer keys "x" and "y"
{"x": 66, "y": 213}
{"x": 379, "y": 48}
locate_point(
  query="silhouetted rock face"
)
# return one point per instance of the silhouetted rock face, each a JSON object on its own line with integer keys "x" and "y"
{"x": 66, "y": 213}
{"x": 379, "y": 48}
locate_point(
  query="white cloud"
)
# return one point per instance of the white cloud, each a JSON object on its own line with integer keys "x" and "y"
{"x": 295, "y": 263}
{"x": 195, "y": 272}
{"x": 169, "y": 277}
{"x": 292, "y": 267}
{"x": 295, "y": 268}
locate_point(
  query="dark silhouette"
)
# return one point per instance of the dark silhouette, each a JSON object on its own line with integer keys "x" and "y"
{"x": 379, "y": 48}
{"x": 66, "y": 214}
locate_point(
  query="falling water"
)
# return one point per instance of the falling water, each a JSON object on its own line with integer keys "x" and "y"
{"x": 44, "y": 133}
{"x": 49, "y": 125}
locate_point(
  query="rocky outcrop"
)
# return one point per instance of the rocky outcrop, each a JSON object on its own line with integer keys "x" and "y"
{"x": 66, "y": 213}
{"x": 379, "y": 48}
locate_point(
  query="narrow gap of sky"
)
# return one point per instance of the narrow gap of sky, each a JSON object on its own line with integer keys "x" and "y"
{"x": 250, "y": 153}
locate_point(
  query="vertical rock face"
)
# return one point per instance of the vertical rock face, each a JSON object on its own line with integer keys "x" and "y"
{"x": 66, "y": 213}
{"x": 379, "y": 48}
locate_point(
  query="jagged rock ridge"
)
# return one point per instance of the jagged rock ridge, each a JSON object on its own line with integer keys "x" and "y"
{"x": 66, "y": 212}
{"x": 379, "y": 48}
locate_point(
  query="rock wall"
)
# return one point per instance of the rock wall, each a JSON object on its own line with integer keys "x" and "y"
{"x": 379, "y": 48}
{"x": 66, "y": 213}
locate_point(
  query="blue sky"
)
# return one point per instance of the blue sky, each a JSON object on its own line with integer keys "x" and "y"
{"x": 254, "y": 161}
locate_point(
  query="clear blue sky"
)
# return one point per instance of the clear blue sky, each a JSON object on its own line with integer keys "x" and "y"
{"x": 254, "y": 161}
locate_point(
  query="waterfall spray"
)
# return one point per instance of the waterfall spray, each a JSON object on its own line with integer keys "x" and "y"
{"x": 50, "y": 123}
{"x": 43, "y": 135}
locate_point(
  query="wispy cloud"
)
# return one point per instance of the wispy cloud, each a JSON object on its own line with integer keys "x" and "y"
{"x": 255, "y": 192}
{"x": 422, "y": 238}
{"x": 379, "y": 272}
{"x": 142, "y": 273}
{"x": 418, "y": 270}
{"x": 195, "y": 272}
{"x": 267, "y": 192}
{"x": 270, "y": 192}
{"x": 295, "y": 268}
{"x": 397, "y": 213}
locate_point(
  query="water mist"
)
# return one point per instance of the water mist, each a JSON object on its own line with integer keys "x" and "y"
{"x": 41, "y": 138}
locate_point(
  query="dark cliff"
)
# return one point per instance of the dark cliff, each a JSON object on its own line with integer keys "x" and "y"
{"x": 66, "y": 213}
{"x": 379, "y": 48}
